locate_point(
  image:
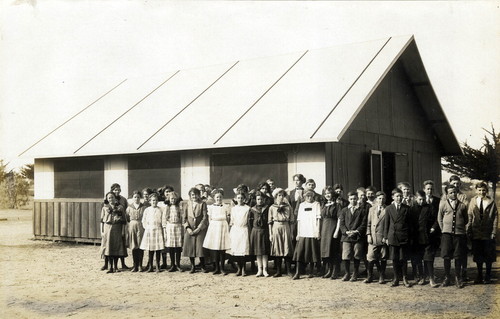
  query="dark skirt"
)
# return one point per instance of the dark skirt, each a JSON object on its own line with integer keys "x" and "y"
{"x": 113, "y": 243}
{"x": 259, "y": 242}
{"x": 484, "y": 251}
{"x": 330, "y": 247}
{"x": 307, "y": 250}
{"x": 193, "y": 245}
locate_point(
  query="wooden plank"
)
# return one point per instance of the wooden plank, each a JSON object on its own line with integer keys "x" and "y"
{"x": 84, "y": 230}
{"x": 92, "y": 233}
{"x": 36, "y": 218}
{"x": 63, "y": 223}
{"x": 43, "y": 219}
{"x": 77, "y": 221}
{"x": 71, "y": 219}
{"x": 57, "y": 218}
{"x": 98, "y": 208}
{"x": 50, "y": 219}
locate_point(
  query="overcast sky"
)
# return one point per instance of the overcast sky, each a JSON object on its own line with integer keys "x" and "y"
{"x": 57, "y": 56}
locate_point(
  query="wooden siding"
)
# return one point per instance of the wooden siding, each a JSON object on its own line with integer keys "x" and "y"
{"x": 76, "y": 220}
{"x": 392, "y": 120}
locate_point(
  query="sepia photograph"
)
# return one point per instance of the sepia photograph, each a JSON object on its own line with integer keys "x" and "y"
{"x": 249, "y": 159}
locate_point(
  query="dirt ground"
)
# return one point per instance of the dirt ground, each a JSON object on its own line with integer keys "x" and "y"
{"x": 46, "y": 279}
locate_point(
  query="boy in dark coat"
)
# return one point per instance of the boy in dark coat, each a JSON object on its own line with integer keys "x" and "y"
{"x": 482, "y": 228}
{"x": 352, "y": 223}
{"x": 397, "y": 235}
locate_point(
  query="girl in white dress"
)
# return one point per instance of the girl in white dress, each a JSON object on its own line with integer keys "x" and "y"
{"x": 217, "y": 238}
{"x": 239, "y": 232}
{"x": 172, "y": 221}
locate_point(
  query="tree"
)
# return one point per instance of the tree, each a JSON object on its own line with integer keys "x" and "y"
{"x": 482, "y": 163}
{"x": 28, "y": 172}
{"x": 14, "y": 188}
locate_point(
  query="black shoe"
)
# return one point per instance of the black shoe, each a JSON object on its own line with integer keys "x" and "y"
{"x": 346, "y": 277}
{"x": 446, "y": 282}
{"x": 368, "y": 280}
{"x": 406, "y": 283}
{"x": 395, "y": 283}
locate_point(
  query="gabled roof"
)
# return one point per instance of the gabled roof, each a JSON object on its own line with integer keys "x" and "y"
{"x": 304, "y": 97}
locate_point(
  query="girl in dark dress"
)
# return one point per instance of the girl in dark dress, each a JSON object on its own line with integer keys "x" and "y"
{"x": 113, "y": 219}
{"x": 116, "y": 189}
{"x": 330, "y": 241}
{"x": 260, "y": 245}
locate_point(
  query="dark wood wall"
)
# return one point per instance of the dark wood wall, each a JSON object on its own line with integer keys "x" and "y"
{"x": 76, "y": 220}
{"x": 392, "y": 120}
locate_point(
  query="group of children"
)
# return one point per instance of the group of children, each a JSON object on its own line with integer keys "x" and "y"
{"x": 303, "y": 228}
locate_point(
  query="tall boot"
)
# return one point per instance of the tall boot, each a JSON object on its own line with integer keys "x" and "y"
{"x": 447, "y": 271}
{"x": 297, "y": 270}
{"x": 178, "y": 259}
{"x": 404, "y": 270}
{"x": 164, "y": 260}
{"x": 264, "y": 265}
{"x": 277, "y": 262}
{"x": 124, "y": 267}
{"x": 355, "y": 274}
{"x": 158, "y": 269}
{"x": 203, "y": 265}
{"x": 479, "y": 278}
{"x": 487, "y": 277}
{"x": 134, "y": 259}
{"x": 420, "y": 268}
{"x": 347, "y": 267}
{"x": 381, "y": 274}
{"x": 140, "y": 258}
{"x": 259, "y": 266}
{"x": 106, "y": 261}
{"x": 111, "y": 265}
{"x": 217, "y": 263}
{"x": 369, "y": 277}
{"x": 458, "y": 273}
{"x": 288, "y": 266}
{"x": 395, "y": 267}
{"x": 172, "y": 260}
{"x": 414, "y": 271}
{"x": 430, "y": 272}
{"x": 328, "y": 269}
{"x": 222, "y": 258}
{"x": 336, "y": 269}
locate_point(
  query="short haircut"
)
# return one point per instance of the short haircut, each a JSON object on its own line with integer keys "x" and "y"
{"x": 279, "y": 191}
{"x": 482, "y": 185}
{"x": 136, "y": 192}
{"x": 168, "y": 188}
{"x": 401, "y": 184}
{"x": 195, "y": 191}
{"x": 338, "y": 186}
{"x": 361, "y": 189}
{"x": 240, "y": 192}
{"x": 371, "y": 188}
{"x": 154, "y": 195}
{"x": 420, "y": 193}
{"x": 115, "y": 185}
{"x": 453, "y": 178}
{"x": 395, "y": 191}
{"x": 310, "y": 180}
{"x": 428, "y": 182}
{"x": 380, "y": 193}
{"x": 300, "y": 177}
{"x": 448, "y": 187}
{"x": 270, "y": 180}
{"x": 147, "y": 190}
{"x": 242, "y": 187}
{"x": 352, "y": 193}
{"x": 259, "y": 193}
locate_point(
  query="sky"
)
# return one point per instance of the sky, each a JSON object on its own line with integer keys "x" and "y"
{"x": 58, "y": 56}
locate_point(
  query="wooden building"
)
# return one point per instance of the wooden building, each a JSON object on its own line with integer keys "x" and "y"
{"x": 359, "y": 114}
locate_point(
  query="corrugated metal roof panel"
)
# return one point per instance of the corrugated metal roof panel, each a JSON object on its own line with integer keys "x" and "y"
{"x": 298, "y": 103}
{"x": 127, "y": 134}
{"x": 212, "y": 114}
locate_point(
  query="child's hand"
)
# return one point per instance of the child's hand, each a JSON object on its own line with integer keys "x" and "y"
{"x": 493, "y": 236}
{"x": 189, "y": 231}
{"x": 432, "y": 230}
{"x": 370, "y": 239}
{"x": 297, "y": 238}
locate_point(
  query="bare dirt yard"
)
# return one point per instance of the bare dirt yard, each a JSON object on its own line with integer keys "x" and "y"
{"x": 46, "y": 279}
